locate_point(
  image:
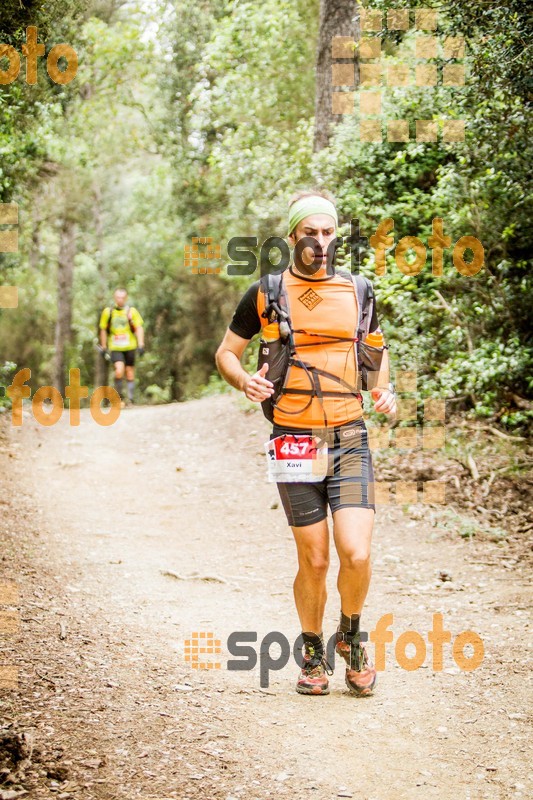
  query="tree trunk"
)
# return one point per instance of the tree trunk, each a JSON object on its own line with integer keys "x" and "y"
{"x": 35, "y": 244}
{"x": 337, "y": 18}
{"x": 65, "y": 275}
{"x": 176, "y": 390}
{"x": 101, "y": 368}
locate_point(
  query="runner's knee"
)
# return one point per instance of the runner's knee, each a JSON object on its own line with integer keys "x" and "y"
{"x": 356, "y": 559}
{"x": 314, "y": 562}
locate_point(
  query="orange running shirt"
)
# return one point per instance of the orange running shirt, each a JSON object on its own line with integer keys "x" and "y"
{"x": 321, "y": 306}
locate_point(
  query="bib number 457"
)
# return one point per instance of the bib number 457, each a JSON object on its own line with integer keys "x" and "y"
{"x": 301, "y": 449}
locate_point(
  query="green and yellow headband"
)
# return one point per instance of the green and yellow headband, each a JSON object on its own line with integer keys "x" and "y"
{"x": 310, "y": 205}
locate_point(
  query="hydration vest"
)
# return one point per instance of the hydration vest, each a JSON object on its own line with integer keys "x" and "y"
{"x": 278, "y": 348}
{"x": 128, "y": 312}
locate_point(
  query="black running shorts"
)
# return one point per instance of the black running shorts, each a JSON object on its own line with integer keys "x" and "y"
{"x": 128, "y": 356}
{"x": 349, "y": 482}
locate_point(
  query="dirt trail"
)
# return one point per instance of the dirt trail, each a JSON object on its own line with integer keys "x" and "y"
{"x": 92, "y": 517}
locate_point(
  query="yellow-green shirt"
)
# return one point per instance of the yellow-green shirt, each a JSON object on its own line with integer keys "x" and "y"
{"x": 121, "y": 336}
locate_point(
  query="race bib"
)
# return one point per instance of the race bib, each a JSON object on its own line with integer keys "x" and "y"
{"x": 296, "y": 458}
{"x": 121, "y": 339}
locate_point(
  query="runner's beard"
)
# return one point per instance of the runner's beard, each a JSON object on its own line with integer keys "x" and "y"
{"x": 316, "y": 265}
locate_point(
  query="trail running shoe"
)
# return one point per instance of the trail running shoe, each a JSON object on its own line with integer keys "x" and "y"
{"x": 313, "y": 678}
{"x": 360, "y": 672}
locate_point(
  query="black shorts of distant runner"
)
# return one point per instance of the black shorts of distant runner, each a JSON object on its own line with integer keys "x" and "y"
{"x": 128, "y": 356}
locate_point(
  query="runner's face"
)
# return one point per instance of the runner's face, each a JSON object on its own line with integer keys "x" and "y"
{"x": 322, "y": 228}
{"x": 120, "y": 299}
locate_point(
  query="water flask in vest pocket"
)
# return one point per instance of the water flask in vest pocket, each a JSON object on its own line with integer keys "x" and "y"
{"x": 274, "y": 351}
{"x": 370, "y": 358}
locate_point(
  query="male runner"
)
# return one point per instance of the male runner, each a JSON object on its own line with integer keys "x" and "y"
{"x": 321, "y": 301}
{"x": 121, "y": 330}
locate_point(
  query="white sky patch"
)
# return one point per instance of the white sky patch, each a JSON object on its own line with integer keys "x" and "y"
{"x": 155, "y": 17}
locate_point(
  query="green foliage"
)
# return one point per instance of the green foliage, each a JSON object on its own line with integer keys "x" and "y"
{"x": 197, "y": 120}
{"x": 7, "y": 370}
{"x": 468, "y": 337}
{"x": 468, "y": 527}
{"x": 23, "y": 108}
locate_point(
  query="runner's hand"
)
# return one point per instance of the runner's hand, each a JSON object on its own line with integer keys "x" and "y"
{"x": 257, "y": 388}
{"x": 384, "y": 401}
{"x": 140, "y": 350}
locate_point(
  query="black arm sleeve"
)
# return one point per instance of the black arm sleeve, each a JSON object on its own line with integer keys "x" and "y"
{"x": 246, "y": 322}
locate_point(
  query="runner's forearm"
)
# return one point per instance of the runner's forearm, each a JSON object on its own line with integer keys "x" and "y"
{"x": 384, "y": 372}
{"x": 103, "y": 339}
{"x": 232, "y": 370}
{"x": 139, "y": 333}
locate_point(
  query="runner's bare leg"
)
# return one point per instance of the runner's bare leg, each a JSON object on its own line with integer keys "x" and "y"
{"x": 312, "y": 543}
{"x": 352, "y": 533}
